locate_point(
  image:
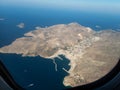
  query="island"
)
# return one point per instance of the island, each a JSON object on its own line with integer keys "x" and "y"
{"x": 21, "y": 25}
{"x": 92, "y": 54}
{"x": 37, "y": 27}
{"x": 2, "y": 19}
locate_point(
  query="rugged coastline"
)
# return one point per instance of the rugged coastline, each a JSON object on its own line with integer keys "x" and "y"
{"x": 92, "y": 54}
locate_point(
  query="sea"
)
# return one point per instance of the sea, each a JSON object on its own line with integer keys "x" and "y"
{"x": 37, "y": 73}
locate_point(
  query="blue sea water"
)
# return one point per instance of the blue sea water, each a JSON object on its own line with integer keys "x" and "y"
{"x": 37, "y": 73}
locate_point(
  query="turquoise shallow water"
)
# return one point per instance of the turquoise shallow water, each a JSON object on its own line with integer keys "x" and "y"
{"x": 35, "y": 73}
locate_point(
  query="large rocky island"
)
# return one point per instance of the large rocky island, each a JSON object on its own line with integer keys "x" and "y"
{"x": 92, "y": 54}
